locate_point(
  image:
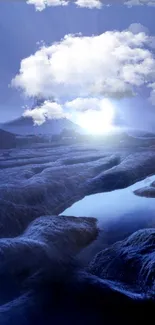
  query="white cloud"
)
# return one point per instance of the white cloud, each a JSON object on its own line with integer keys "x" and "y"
{"x": 48, "y": 110}
{"x": 79, "y": 109}
{"x": 87, "y": 104}
{"x": 136, "y": 28}
{"x": 93, "y": 114}
{"x": 131, "y": 3}
{"x": 42, "y": 4}
{"x": 114, "y": 64}
{"x": 89, "y": 4}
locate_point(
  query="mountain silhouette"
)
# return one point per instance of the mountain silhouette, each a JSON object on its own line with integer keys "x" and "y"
{"x": 25, "y": 125}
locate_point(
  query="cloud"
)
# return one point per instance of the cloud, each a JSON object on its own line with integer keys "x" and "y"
{"x": 91, "y": 4}
{"x": 48, "y": 110}
{"x": 42, "y": 4}
{"x": 113, "y": 65}
{"x": 136, "y": 28}
{"x": 87, "y": 104}
{"x": 131, "y": 3}
{"x": 93, "y": 113}
{"x": 152, "y": 96}
{"x": 52, "y": 110}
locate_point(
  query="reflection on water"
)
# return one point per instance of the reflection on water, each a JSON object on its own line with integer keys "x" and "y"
{"x": 119, "y": 212}
{"x": 111, "y": 206}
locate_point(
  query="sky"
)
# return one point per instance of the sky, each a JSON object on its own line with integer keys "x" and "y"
{"x": 87, "y": 55}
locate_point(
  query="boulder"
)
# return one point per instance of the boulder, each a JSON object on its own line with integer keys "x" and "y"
{"x": 48, "y": 241}
{"x": 148, "y": 192}
{"x": 130, "y": 262}
{"x": 79, "y": 296}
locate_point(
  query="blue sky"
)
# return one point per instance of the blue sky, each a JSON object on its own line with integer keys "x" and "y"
{"x": 21, "y": 27}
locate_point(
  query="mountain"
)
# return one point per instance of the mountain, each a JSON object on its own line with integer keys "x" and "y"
{"x": 7, "y": 140}
{"x": 25, "y": 126}
{"x": 140, "y": 134}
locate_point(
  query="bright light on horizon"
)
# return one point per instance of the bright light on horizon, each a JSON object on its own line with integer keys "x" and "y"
{"x": 97, "y": 121}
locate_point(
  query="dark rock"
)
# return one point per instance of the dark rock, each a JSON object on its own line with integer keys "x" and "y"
{"x": 48, "y": 242}
{"x": 135, "y": 167}
{"x": 76, "y": 297}
{"x": 41, "y": 284}
{"x": 46, "y": 238}
{"x": 130, "y": 262}
{"x": 148, "y": 192}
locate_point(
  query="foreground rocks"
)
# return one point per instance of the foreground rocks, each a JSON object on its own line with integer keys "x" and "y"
{"x": 117, "y": 288}
{"x": 47, "y": 240}
{"x": 148, "y": 191}
{"x": 42, "y": 282}
{"x": 46, "y": 181}
{"x": 130, "y": 262}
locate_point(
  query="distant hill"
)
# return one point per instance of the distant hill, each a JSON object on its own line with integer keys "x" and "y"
{"x": 139, "y": 134}
{"x": 25, "y": 126}
{"x": 7, "y": 140}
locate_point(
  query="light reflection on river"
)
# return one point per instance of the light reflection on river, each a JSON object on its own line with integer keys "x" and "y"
{"x": 119, "y": 213}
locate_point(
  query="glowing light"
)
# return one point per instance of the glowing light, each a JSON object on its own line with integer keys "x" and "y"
{"x": 97, "y": 121}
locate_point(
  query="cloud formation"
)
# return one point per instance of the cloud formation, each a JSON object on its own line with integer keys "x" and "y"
{"x": 93, "y": 113}
{"x": 91, "y": 4}
{"x": 42, "y": 4}
{"x": 87, "y": 104}
{"x": 78, "y": 108}
{"x": 48, "y": 110}
{"x": 136, "y": 28}
{"x": 113, "y": 65}
{"x": 131, "y": 3}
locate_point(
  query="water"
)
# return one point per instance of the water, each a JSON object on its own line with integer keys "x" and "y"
{"x": 119, "y": 214}
{"x": 113, "y": 205}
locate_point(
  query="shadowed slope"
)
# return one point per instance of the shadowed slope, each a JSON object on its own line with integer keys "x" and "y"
{"x": 130, "y": 262}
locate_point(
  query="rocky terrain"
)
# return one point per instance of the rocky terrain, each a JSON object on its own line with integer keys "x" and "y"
{"x": 148, "y": 191}
{"x": 39, "y": 181}
{"x": 47, "y": 286}
{"x": 130, "y": 262}
{"x": 46, "y": 262}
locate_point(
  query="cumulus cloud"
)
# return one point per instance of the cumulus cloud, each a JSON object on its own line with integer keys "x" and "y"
{"x": 114, "y": 65}
{"x": 131, "y": 3}
{"x": 87, "y": 104}
{"x": 93, "y": 113}
{"x": 136, "y": 28}
{"x": 89, "y": 4}
{"x": 48, "y": 110}
{"x": 42, "y": 4}
{"x": 74, "y": 109}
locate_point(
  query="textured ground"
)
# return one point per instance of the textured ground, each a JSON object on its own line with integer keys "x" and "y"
{"x": 43, "y": 280}
{"x": 39, "y": 181}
